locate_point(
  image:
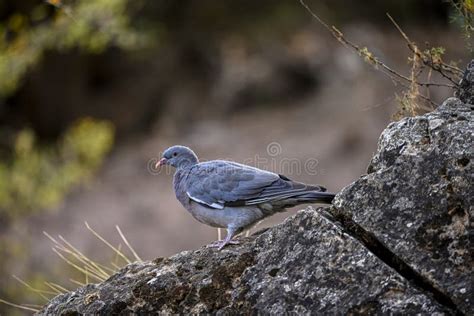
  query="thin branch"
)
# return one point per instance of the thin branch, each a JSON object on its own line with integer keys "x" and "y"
{"x": 412, "y": 46}
{"x": 340, "y": 37}
{"x": 391, "y": 73}
{"x": 430, "y": 84}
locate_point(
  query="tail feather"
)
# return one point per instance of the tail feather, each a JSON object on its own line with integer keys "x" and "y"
{"x": 287, "y": 193}
{"x": 281, "y": 203}
{"x": 315, "y": 197}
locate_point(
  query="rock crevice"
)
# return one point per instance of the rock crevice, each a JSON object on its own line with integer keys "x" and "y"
{"x": 416, "y": 201}
{"x": 394, "y": 261}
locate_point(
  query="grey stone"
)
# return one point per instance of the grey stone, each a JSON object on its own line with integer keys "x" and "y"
{"x": 305, "y": 265}
{"x": 418, "y": 197}
{"x": 465, "y": 92}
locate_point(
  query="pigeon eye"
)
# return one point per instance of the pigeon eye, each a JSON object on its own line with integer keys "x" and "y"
{"x": 175, "y": 154}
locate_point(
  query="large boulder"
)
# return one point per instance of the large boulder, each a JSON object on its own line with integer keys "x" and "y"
{"x": 306, "y": 264}
{"x": 418, "y": 198}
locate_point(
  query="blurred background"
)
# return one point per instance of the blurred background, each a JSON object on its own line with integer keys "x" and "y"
{"x": 92, "y": 91}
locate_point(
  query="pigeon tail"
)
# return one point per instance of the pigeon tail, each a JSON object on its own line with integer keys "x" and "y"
{"x": 316, "y": 197}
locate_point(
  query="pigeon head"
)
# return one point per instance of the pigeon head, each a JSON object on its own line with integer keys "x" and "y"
{"x": 178, "y": 156}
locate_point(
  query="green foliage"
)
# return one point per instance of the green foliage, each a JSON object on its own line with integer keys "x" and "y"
{"x": 88, "y": 25}
{"x": 436, "y": 53}
{"x": 368, "y": 56}
{"x": 36, "y": 178}
{"x": 463, "y": 15}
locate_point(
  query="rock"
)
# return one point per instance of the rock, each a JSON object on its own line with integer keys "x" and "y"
{"x": 306, "y": 264}
{"x": 396, "y": 241}
{"x": 418, "y": 197}
{"x": 465, "y": 91}
{"x": 309, "y": 265}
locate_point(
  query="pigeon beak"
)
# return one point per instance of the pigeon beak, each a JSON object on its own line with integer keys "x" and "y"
{"x": 160, "y": 163}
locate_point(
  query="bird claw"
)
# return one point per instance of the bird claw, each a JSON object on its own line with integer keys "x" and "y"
{"x": 219, "y": 244}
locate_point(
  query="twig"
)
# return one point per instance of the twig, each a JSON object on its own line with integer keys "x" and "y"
{"x": 401, "y": 79}
{"x": 340, "y": 37}
{"x": 376, "y": 105}
{"x": 436, "y": 66}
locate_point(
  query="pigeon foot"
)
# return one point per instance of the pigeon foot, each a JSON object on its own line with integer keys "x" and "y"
{"x": 219, "y": 244}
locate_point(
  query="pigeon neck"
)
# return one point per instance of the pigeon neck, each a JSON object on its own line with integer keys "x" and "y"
{"x": 187, "y": 163}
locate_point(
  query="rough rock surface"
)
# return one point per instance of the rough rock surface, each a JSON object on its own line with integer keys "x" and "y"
{"x": 418, "y": 197}
{"x": 306, "y": 264}
{"x": 466, "y": 87}
{"x": 396, "y": 241}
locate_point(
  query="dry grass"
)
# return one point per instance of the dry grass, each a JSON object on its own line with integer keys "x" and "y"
{"x": 89, "y": 269}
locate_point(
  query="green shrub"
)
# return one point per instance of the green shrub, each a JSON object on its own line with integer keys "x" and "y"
{"x": 88, "y": 25}
{"x": 37, "y": 177}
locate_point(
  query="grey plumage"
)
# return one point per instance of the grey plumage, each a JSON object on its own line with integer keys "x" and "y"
{"x": 231, "y": 195}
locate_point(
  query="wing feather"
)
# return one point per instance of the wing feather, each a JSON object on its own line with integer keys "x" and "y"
{"x": 219, "y": 183}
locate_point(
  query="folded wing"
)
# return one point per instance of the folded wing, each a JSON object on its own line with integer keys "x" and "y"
{"x": 222, "y": 183}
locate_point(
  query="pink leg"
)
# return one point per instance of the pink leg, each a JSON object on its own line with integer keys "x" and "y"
{"x": 219, "y": 244}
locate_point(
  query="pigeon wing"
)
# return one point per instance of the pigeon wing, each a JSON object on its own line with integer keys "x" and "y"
{"x": 217, "y": 184}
